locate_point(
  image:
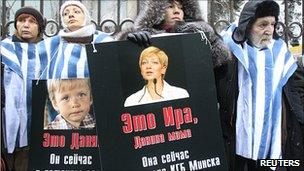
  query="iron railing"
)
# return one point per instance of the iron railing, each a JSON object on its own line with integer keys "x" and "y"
{"x": 110, "y": 25}
{"x": 288, "y": 30}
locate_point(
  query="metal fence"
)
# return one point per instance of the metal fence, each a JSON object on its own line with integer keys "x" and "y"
{"x": 112, "y": 16}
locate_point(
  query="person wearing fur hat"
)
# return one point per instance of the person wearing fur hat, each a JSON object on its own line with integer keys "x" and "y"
{"x": 29, "y": 24}
{"x": 68, "y": 58}
{"x": 176, "y": 16}
{"x": 251, "y": 103}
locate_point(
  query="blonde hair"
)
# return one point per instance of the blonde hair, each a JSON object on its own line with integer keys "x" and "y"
{"x": 152, "y": 50}
{"x": 58, "y": 85}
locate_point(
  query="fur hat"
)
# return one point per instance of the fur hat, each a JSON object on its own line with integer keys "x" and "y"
{"x": 35, "y": 13}
{"x": 153, "y": 13}
{"x": 251, "y": 11}
{"x": 87, "y": 19}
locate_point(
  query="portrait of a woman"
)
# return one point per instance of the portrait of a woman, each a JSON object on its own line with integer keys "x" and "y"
{"x": 153, "y": 63}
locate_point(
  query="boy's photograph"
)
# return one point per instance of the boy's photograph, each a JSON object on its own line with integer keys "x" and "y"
{"x": 69, "y": 104}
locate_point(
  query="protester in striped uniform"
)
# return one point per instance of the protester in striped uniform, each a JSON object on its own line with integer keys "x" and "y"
{"x": 261, "y": 67}
{"x": 64, "y": 56}
{"x": 29, "y": 24}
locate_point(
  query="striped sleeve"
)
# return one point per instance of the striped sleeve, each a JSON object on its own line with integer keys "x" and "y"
{"x": 290, "y": 66}
{"x": 9, "y": 56}
{"x": 102, "y": 37}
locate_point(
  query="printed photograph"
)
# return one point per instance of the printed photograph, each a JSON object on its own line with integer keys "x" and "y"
{"x": 69, "y": 104}
{"x": 153, "y": 64}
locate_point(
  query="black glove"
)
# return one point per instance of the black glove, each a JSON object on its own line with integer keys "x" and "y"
{"x": 142, "y": 38}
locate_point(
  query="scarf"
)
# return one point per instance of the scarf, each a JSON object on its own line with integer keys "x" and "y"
{"x": 85, "y": 31}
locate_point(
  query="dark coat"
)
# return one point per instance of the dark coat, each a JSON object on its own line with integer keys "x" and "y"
{"x": 294, "y": 129}
{"x": 295, "y": 91}
{"x": 227, "y": 94}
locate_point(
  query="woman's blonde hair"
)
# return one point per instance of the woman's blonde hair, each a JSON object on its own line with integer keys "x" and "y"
{"x": 152, "y": 50}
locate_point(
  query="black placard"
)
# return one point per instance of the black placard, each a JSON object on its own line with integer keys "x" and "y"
{"x": 59, "y": 149}
{"x": 181, "y": 134}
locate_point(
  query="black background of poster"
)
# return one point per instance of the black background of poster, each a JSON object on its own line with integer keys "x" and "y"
{"x": 111, "y": 85}
{"x": 39, "y": 156}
